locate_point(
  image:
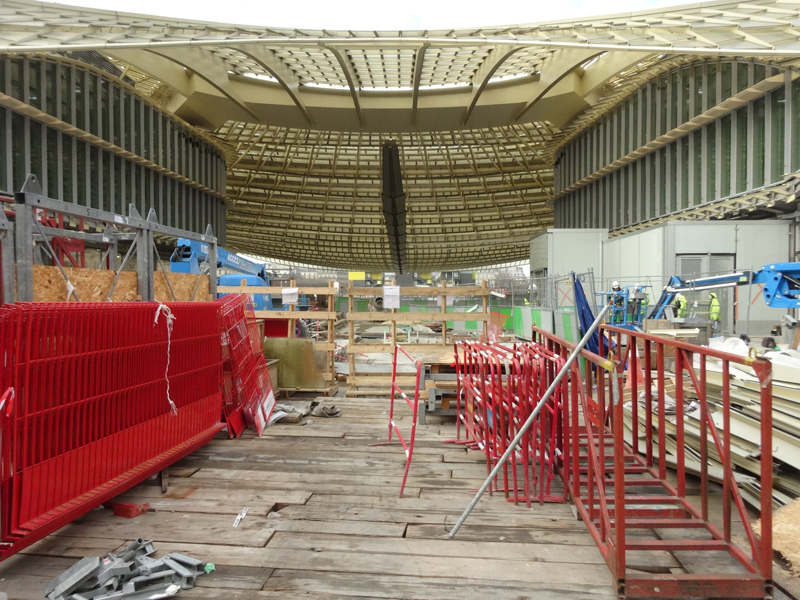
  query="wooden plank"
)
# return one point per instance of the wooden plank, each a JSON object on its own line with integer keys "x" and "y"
{"x": 482, "y": 569}
{"x": 366, "y": 380}
{"x": 272, "y": 289}
{"x": 421, "y": 587}
{"x": 174, "y": 527}
{"x": 354, "y": 348}
{"x": 415, "y": 317}
{"x": 433, "y": 517}
{"x": 142, "y": 493}
{"x": 463, "y": 290}
{"x": 232, "y": 577}
{"x": 290, "y": 314}
{"x": 557, "y": 553}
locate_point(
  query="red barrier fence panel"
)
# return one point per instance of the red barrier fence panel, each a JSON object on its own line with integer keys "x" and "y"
{"x": 408, "y": 446}
{"x": 615, "y": 456}
{"x": 497, "y": 389}
{"x": 248, "y": 396}
{"x": 86, "y": 409}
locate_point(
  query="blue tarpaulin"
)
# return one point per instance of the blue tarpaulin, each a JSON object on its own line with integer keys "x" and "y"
{"x": 585, "y": 317}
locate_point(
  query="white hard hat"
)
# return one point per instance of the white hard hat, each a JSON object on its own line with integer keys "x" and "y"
{"x": 533, "y": 287}
{"x": 615, "y": 284}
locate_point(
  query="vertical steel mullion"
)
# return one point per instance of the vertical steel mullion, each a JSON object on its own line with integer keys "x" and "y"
{"x": 767, "y": 139}
{"x": 787, "y": 123}
{"x": 750, "y": 133}
{"x": 718, "y": 140}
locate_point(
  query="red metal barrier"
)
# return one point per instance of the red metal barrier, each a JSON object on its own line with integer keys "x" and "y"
{"x": 497, "y": 389}
{"x": 407, "y": 446}
{"x": 619, "y": 486}
{"x": 85, "y": 405}
{"x": 248, "y": 397}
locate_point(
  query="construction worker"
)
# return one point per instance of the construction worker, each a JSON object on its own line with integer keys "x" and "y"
{"x": 714, "y": 311}
{"x": 680, "y": 305}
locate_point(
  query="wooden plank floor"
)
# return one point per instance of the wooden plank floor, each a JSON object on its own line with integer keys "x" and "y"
{"x": 342, "y": 531}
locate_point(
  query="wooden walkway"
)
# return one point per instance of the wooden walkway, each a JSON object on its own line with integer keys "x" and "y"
{"x": 341, "y": 530}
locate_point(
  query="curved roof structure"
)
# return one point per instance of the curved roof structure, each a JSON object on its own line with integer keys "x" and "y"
{"x": 477, "y": 113}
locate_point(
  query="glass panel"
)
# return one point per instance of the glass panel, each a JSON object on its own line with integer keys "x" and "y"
{"x": 742, "y": 70}
{"x": 36, "y": 166}
{"x": 80, "y": 173}
{"x": 80, "y": 100}
{"x": 52, "y": 163}
{"x": 19, "y": 168}
{"x": 726, "y": 80}
{"x": 685, "y": 93}
{"x": 66, "y": 94}
{"x": 118, "y": 204}
{"x": 67, "y": 143}
{"x": 4, "y": 114}
{"x": 778, "y": 118}
{"x": 684, "y": 171}
{"x": 117, "y": 93}
{"x": 741, "y": 150}
{"x": 711, "y": 161}
{"x": 16, "y": 78}
{"x": 35, "y": 84}
{"x": 759, "y": 73}
{"x": 759, "y": 107}
{"x": 698, "y": 90}
{"x": 105, "y": 113}
{"x": 673, "y": 105}
{"x": 148, "y": 132}
{"x": 93, "y": 127}
{"x": 662, "y": 100}
{"x": 126, "y": 115}
{"x": 711, "y": 86}
{"x": 725, "y": 157}
{"x": 51, "y": 85}
{"x": 106, "y": 197}
{"x": 137, "y": 127}
{"x": 94, "y": 176}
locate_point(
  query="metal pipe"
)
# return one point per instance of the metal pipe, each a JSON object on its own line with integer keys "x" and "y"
{"x": 515, "y": 442}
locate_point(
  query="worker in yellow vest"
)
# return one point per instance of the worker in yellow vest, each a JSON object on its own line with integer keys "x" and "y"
{"x": 714, "y": 311}
{"x": 680, "y": 305}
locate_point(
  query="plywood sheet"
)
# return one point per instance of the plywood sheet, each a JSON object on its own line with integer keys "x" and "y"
{"x": 92, "y": 285}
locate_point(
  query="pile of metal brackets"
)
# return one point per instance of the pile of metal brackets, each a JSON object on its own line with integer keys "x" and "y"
{"x": 130, "y": 574}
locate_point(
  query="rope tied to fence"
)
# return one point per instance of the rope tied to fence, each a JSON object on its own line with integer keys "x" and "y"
{"x": 169, "y": 318}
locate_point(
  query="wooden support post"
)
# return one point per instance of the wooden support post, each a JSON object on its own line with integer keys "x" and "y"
{"x": 292, "y": 323}
{"x": 331, "y": 324}
{"x": 351, "y": 333}
{"x": 444, "y": 310}
{"x": 485, "y": 310}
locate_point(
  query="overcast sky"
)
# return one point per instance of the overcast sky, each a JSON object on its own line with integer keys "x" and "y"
{"x": 376, "y": 14}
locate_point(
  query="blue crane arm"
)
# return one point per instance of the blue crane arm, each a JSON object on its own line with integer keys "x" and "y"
{"x": 194, "y": 253}
{"x": 780, "y": 286}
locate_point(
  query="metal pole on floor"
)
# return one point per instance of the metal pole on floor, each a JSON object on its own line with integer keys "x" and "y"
{"x": 515, "y": 442}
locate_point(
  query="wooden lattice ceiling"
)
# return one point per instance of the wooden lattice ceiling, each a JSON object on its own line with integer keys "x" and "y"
{"x": 474, "y": 197}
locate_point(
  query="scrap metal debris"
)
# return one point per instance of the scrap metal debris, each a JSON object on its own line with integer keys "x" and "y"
{"x": 130, "y": 574}
{"x": 240, "y": 516}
